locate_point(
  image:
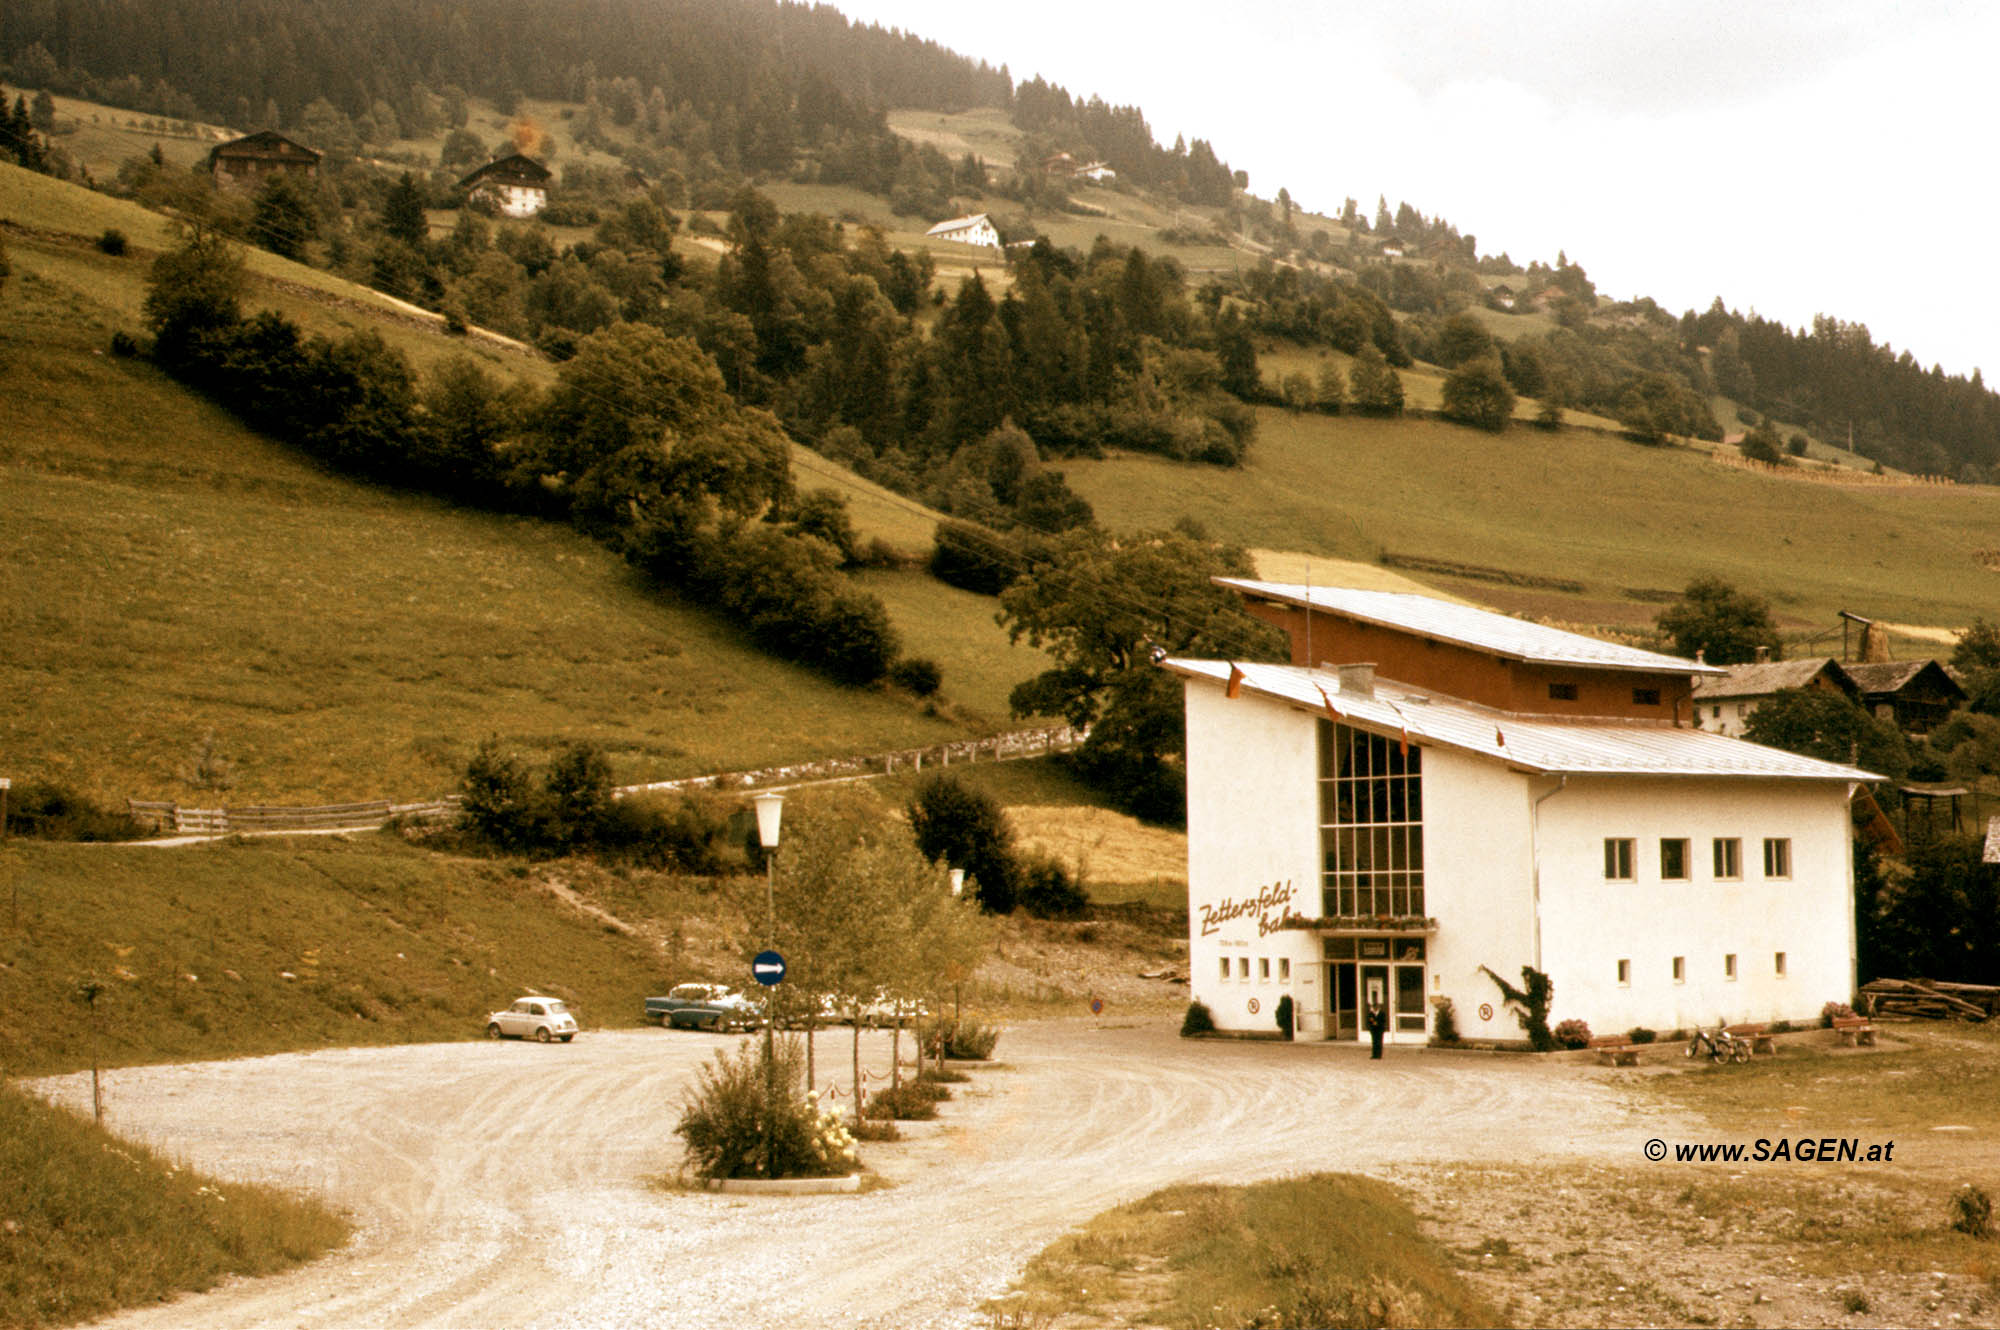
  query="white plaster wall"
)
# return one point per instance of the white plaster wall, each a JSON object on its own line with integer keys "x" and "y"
{"x": 1253, "y": 827}
{"x": 1478, "y": 884}
{"x": 1588, "y": 923}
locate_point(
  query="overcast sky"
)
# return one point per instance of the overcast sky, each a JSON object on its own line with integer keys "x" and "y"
{"x": 1793, "y": 158}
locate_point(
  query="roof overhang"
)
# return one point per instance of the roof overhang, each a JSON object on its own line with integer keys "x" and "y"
{"x": 1541, "y": 746}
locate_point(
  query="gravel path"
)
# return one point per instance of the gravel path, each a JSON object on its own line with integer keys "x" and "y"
{"x": 502, "y": 1184}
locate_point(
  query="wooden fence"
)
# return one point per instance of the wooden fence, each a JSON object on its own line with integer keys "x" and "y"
{"x": 993, "y": 748}
{"x": 180, "y": 821}
{"x": 242, "y": 821}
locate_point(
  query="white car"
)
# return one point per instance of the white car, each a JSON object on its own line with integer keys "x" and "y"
{"x": 878, "y": 1014}
{"x": 544, "y": 1018}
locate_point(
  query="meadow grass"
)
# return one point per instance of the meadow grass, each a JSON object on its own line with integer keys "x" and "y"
{"x": 383, "y": 943}
{"x": 1922, "y": 1076}
{"x": 1612, "y": 515}
{"x": 94, "y": 1223}
{"x": 1326, "y": 1249}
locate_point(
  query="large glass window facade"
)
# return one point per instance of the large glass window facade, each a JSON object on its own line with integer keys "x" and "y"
{"x": 1371, "y": 817}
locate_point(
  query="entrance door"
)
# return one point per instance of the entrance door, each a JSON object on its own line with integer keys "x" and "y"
{"x": 1410, "y": 1000}
{"x": 1346, "y": 1022}
{"x": 1375, "y": 989}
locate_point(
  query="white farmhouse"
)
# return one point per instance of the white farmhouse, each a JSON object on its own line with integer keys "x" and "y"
{"x": 517, "y": 185}
{"x": 1486, "y": 794}
{"x": 977, "y": 229}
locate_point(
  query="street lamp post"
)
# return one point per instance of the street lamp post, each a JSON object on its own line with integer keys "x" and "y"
{"x": 770, "y": 814}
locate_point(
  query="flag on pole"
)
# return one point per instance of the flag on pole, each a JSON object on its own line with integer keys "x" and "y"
{"x": 1331, "y": 710}
{"x": 1498, "y": 737}
{"x": 1235, "y": 688}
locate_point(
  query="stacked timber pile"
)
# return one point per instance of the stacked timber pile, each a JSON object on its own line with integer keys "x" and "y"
{"x": 1932, "y": 998}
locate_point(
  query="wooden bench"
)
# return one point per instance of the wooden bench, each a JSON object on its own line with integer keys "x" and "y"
{"x": 1615, "y": 1050}
{"x": 1759, "y": 1037}
{"x": 1855, "y": 1031}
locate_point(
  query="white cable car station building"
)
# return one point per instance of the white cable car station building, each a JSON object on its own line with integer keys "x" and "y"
{"x": 1485, "y": 793}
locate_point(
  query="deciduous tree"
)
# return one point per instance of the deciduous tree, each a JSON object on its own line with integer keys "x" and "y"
{"x": 1725, "y": 625}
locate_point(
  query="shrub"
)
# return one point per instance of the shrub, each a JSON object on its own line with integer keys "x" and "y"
{"x": 1572, "y": 1034}
{"x": 1047, "y": 890}
{"x": 124, "y": 345}
{"x": 965, "y": 828}
{"x": 1284, "y": 1015}
{"x": 870, "y": 1130}
{"x": 112, "y": 242}
{"x": 1445, "y": 1024}
{"x": 1639, "y": 1034}
{"x": 1971, "y": 1211}
{"x": 1831, "y": 1011}
{"x": 967, "y": 1040}
{"x": 725, "y": 1117}
{"x": 1199, "y": 1020}
{"x": 943, "y": 1076}
{"x": 1782, "y": 1027}
{"x": 909, "y": 1102}
{"x": 917, "y": 675}
{"x": 974, "y": 559}
{"x": 46, "y": 810}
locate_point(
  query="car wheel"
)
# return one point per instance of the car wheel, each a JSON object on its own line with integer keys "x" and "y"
{"x": 493, "y": 1030}
{"x": 542, "y": 1034}
{"x": 713, "y": 1023}
{"x": 566, "y": 1038}
{"x": 666, "y": 1020}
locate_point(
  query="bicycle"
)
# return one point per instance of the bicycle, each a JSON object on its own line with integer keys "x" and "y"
{"x": 1720, "y": 1045}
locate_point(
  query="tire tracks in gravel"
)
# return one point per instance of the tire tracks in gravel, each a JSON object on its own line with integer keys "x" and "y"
{"x": 504, "y": 1184}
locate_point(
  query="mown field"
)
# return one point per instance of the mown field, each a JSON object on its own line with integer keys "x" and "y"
{"x": 1631, "y": 524}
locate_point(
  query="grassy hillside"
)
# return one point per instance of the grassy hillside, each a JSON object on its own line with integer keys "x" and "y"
{"x": 173, "y": 576}
{"x": 263, "y": 946}
{"x": 1626, "y": 521}
{"x": 95, "y": 1223}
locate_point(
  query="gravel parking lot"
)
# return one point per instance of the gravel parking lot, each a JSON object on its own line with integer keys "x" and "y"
{"x": 505, "y": 1184}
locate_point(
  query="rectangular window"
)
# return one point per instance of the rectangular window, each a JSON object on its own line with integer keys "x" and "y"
{"x": 1674, "y": 859}
{"x": 1645, "y": 697}
{"x": 1728, "y": 858}
{"x": 1284, "y": 967}
{"x": 1371, "y": 818}
{"x": 1242, "y": 967}
{"x": 1618, "y": 860}
{"x": 1562, "y": 692}
{"x": 1778, "y": 964}
{"x": 1680, "y": 969}
{"x": 1624, "y": 974}
{"x": 1225, "y": 967}
{"x": 1264, "y": 968}
{"x": 1778, "y": 856}
{"x": 1715, "y": 713}
{"x": 1729, "y": 966}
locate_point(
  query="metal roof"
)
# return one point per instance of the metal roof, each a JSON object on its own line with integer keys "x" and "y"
{"x": 1466, "y": 625}
{"x": 1555, "y": 747}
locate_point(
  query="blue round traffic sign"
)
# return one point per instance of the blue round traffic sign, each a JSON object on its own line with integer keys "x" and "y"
{"x": 769, "y": 967}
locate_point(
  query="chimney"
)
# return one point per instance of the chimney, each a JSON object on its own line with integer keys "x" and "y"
{"x": 1357, "y": 680}
{"x": 1763, "y": 655}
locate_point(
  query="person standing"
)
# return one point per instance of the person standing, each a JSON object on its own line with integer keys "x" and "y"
{"x": 1377, "y": 1022}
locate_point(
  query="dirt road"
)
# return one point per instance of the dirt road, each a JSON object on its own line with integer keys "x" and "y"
{"x": 503, "y": 1184}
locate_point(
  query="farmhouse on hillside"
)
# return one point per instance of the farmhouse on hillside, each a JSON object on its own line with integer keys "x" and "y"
{"x": 1462, "y": 794}
{"x": 245, "y": 164}
{"x": 1917, "y": 696}
{"x": 977, "y": 229}
{"x": 1724, "y": 702}
{"x": 517, "y": 185}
